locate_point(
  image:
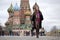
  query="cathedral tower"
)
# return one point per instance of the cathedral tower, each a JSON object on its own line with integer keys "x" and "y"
{"x": 25, "y": 4}
{"x": 25, "y": 7}
{"x": 16, "y": 16}
{"x": 9, "y": 23}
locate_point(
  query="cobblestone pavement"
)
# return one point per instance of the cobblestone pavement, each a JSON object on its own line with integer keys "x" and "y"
{"x": 28, "y": 38}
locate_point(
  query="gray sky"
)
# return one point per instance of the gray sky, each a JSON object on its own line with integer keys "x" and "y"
{"x": 49, "y": 8}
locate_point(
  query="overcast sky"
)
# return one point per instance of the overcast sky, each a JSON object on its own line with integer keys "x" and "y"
{"x": 49, "y": 8}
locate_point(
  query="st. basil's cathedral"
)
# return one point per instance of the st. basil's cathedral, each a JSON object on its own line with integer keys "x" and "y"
{"x": 19, "y": 17}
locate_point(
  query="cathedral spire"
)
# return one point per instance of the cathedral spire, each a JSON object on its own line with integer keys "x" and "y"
{"x": 25, "y": 4}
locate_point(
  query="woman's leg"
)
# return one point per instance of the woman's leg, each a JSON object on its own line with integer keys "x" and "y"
{"x": 37, "y": 31}
{"x": 32, "y": 31}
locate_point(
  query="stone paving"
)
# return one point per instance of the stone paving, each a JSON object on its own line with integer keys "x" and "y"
{"x": 28, "y": 38}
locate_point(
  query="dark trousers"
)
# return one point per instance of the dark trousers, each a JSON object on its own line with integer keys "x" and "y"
{"x": 37, "y": 31}
{"x": 34, "y": 27}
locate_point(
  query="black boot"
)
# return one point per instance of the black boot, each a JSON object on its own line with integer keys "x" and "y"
{"x": 31, "y": 33}
{"x": 37, "y": 36}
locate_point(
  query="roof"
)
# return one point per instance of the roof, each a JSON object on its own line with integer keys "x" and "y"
{"x": 10, "y": 9}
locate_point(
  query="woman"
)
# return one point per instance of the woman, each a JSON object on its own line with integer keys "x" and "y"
{"x": 37, "y": 18}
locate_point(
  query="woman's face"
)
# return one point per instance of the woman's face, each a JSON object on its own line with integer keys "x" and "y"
{"x": 37, "y": 8}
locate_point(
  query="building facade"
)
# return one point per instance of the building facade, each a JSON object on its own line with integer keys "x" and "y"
{"x": 19, "y": 17}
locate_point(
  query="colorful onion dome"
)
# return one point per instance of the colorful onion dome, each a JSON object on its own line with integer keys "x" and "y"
{"x": 28, "y": 13}
{"x": 10, "y": 9}
{"x": 16, "y": 8}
